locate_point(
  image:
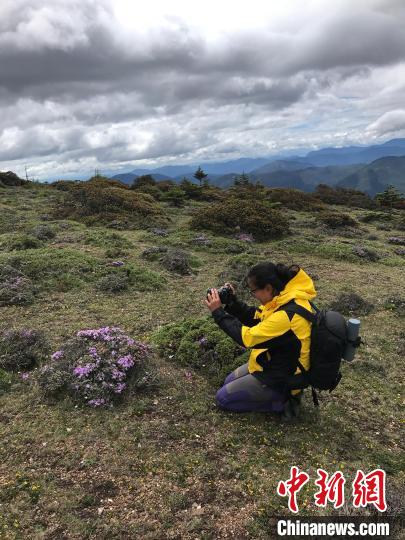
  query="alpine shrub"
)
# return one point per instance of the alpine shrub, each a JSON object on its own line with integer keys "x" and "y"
{"x": 294, "y": 199}
{"x": 335, "y": 220}
{"x": 101, "y": 202}
{"x": 22, "y": 350}
{"x": 247, "y": 216}
{"x": 199, "y": 344}
{"x": 96, "y": 367}
{"x": 15, "y": 287}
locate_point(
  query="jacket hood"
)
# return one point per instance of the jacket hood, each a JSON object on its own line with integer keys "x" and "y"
{"x": 300, "y": 287}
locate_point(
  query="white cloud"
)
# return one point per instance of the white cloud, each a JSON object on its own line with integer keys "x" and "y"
{"x": 106, "y": 83}
{"x": 389, "y": 122}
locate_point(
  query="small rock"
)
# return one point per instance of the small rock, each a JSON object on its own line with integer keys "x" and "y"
{"x": 197, "y": 510}
{"x": 202, "y": 240}
{"x": 365, "y": 253}
{"x": 159, "y": 232}
{"x": 100, "y": 510}
{"x": 397, "y": 240}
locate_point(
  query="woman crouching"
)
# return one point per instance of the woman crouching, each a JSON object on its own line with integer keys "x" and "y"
{"x": 280, "y": 340}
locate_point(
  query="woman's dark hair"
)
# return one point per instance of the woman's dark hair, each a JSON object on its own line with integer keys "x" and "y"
{"x": 278, "y": 275}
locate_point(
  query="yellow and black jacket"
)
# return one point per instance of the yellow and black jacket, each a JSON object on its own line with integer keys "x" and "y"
{"x": 277, "y": 338}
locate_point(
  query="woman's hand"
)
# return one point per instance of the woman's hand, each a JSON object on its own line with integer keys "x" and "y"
{"x": 231, "y": 287}
{"x": 213, "y": 301}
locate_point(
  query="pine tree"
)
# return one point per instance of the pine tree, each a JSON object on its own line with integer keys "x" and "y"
{"x": 242, "y": 180}
{"x": 389, "y": 197}
{"x": 200, "y": 175}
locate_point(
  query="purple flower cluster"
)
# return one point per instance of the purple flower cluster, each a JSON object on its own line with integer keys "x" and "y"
{"x": 119, "y": 388}
{"x": 56, "y": 355}
{"x": 117, "y": 263}
{"x": 96, "y": 402}
{"x": 83, "y": 371}
{"x": 126, "y": 362}
{"x": 106, "y": 333}
{"x": 203, "y": 342}
{"x": 97, "y": 365}
{"x": 245, "y": 237}
{"x": 117, "y": 374}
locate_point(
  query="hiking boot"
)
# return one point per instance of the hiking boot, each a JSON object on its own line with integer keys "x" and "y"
{"x": 292, "y": 408}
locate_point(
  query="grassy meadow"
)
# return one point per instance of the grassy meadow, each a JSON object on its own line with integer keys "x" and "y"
{"x": 166, "y": 463}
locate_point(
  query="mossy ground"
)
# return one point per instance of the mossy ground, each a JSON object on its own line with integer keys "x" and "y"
{"x": 142, "y": 469}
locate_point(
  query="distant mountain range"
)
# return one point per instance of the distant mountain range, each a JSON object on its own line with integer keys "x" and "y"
{"x": 367, "y": 168}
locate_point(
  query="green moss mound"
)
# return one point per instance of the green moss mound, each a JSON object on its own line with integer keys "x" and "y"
{"x": 249, "y": 216}
{"x": 66, "y": 269}
{"x": 119, "y": 279}
{"x": 38, "y": 264}
{"x": 20, "y": 242}
{"x": 201, "y": 345}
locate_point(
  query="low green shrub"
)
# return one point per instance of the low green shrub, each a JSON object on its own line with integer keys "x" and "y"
{"x": 105, "y": 202}
{"x": 103, "y": 238}
{"x": 295, "y": 199}
{"x": 177, "y": 261}
{"x": 113, "y": 282}
{"x": 11, "y": 179}
{"x": 249, "y": 216}
{"x": 127, "y": 276}
{"x": 343, "y": 196}
{"x": 11, "y": 221}
{"x": 21, "y": 241}
{"x": 22, "y": 350}
{"x": 336, "y": 220}
{"x": 201, "y": 345}
{"x": 15, "y": 287}
{"x": 174, "y": 196}
{"x": 114, "y": 252}
{"x": 5, "y": 381}
{"x": 350, "y": 303}
{"x": 43, "y": 232}
{"x": 154, "y": 253}
{"x": 375, "y": 216}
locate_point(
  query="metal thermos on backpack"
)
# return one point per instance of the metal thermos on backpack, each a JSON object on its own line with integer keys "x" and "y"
{"x": 353, "y": 329}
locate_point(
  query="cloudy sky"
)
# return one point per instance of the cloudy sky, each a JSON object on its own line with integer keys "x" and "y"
{"x": 105, "y": 84}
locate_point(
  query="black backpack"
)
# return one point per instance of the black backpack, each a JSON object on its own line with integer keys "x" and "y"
{"x": 328, "y": 343}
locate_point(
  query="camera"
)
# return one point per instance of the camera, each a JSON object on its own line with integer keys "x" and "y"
{"x": 226, "y": 295}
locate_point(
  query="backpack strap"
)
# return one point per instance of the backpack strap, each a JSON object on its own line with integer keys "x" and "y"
{"x": 292, "y": 307}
